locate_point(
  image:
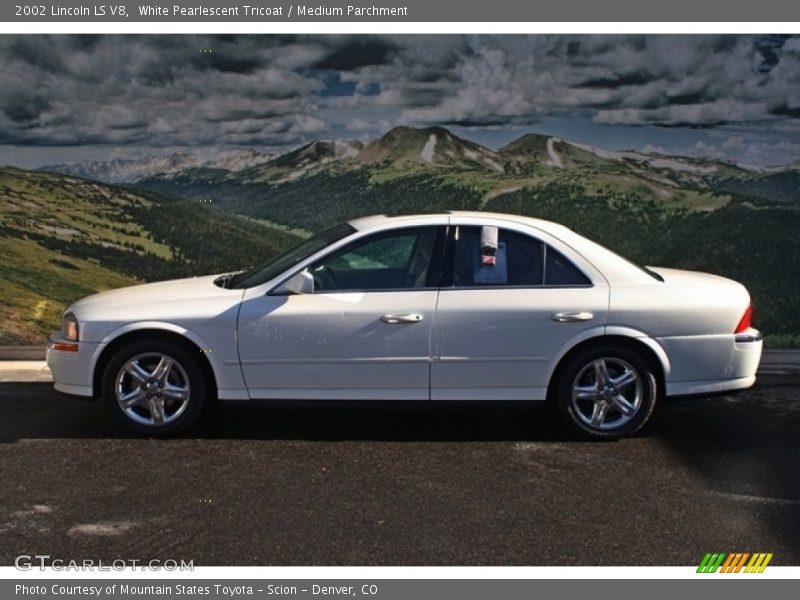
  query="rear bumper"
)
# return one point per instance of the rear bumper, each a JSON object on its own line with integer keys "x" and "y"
{"x": 712, "y": 364}
{"x": 71, "y": 370}
{"x": 703, "y": 388}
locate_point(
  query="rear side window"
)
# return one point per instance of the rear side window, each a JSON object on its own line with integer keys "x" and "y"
{"x": 521, "y": 260}
{"x": 560, "y": 271}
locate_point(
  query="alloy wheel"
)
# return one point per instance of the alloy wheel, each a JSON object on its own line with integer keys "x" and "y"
{"x": 607, "y": 393}
{"x": 152, "y": 389}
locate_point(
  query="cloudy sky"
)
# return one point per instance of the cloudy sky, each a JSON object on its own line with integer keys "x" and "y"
{"x": 68, "y": 98}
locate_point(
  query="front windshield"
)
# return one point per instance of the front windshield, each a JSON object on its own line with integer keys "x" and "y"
{"x": 278, "y": 264}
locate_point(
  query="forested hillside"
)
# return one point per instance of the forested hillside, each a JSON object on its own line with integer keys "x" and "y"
{"x": 62, "y": 238}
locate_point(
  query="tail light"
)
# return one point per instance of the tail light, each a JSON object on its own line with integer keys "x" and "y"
{"x": 744, "y": 323}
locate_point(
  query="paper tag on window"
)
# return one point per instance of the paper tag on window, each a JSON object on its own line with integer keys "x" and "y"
{"x": 494, "y": 274}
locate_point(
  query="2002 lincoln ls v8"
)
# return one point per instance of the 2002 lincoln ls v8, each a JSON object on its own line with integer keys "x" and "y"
{"x": 434, "y": 308}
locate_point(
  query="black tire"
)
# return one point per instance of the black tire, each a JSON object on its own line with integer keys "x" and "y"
{"x": 579, "y": 412}
{"x": 174, "y": 419}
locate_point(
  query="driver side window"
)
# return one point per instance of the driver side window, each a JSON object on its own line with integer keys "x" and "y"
{"x": 394, "y": 260}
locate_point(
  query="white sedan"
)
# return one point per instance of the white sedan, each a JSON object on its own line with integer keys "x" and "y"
{"x": 433, "y": 308}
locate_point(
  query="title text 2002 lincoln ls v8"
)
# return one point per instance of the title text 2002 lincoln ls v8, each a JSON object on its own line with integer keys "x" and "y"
{"x": 433, "y": 308}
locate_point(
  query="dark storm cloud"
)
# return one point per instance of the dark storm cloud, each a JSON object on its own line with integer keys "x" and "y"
{"x": 644, "y": 80}
{"x": 693, "y": 125}
{"x": 786, "y": 111}
{"x": 686, "y": 98}
{"x": 353, "y": 56}
{"x": 619, "y": 80}
{"x": 193, "y": 90}
{"x": 769, "y": 48}
{"x": 36, "y": 52}
{"x": 233, "y": 65}
{"x": 24, "y": 110}
{"x": 488, "y": 121}
{"x": 173, "y": 90}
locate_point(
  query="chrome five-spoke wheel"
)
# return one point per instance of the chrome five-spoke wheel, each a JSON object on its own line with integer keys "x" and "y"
{"x": 607, "y": 393}
{"x": 156, "y": 386}
{"x": 152, "y": 389}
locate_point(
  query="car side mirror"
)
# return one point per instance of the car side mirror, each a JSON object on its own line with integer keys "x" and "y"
{"x": 299, "y": 283}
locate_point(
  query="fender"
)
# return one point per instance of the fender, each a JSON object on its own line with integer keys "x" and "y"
{"x": 640, "y": 336}
{"x": 601, "y": 331}
{"x": 226, "y": 387}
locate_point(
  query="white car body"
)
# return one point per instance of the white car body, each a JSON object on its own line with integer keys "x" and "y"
{"x": 495, "y": 343}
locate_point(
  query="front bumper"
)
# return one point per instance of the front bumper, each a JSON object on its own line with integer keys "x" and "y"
{"x": 72, "y": 370}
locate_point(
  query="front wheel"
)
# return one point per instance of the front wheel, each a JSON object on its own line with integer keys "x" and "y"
{"x": 154, "y": 387}
{"x": 606, "y": 392}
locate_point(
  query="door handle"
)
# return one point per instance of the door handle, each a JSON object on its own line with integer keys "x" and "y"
{"x": 399, "y": 319}
{"x": 572, "y": 317}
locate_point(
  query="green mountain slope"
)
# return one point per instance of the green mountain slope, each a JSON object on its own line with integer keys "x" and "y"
{"x": 780, "y": 187}
{"x": 62, "y": 238}
{"x": 410, "y": 148}
{"x": 435, "y": 153}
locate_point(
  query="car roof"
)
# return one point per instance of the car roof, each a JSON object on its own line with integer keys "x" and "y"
{"x": 364, "y": 223}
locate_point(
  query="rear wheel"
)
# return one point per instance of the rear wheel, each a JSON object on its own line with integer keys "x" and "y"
{"x": 606, "y": 392}
{"x": 154, "y": 387}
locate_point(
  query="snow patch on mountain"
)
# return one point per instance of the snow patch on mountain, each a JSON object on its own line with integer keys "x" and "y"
{"x": 238, "y": 160}
{"x": 427, "y": 151}
{"x": 347, "y": 148}
{"x": 676, "y": 165}
{"x": 555, "y": 159}
{"x": 485, "y": 157}
{"x": 654, "y": 161}
{"x": 610, "y": 154}
{"x": 494, "y": 164}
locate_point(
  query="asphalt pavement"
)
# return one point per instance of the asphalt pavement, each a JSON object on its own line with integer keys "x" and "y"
{"x": 345, "y": 486}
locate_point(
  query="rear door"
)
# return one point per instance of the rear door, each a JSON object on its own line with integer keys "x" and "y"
{"x": 499, "y": 327}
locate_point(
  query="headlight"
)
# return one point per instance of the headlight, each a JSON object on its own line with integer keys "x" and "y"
{"x": 70, "y": 328}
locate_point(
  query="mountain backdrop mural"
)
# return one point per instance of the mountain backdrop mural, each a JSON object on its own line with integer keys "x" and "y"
{"x": 65, "y": 236}
{"x": 135, "y": 159}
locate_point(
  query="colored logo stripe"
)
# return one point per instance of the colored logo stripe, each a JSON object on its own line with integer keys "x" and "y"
{"x": 758, "y": 563}
{"x": 734, "y": 562}
{"x": 711, "y": 562}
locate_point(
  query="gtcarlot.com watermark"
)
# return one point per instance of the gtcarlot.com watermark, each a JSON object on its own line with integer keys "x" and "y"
{"x": 29, "y": 562}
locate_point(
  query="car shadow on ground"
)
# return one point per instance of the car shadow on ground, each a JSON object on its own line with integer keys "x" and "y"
{"x": 34, "y": 411}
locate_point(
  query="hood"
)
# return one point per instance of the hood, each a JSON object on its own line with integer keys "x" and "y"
{"x": 161, "y": 291}
{"x": 180, "y": 302}
{"x": 151, "y": 299}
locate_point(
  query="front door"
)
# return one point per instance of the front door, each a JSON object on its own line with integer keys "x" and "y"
{"x": 364, "y": 334}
